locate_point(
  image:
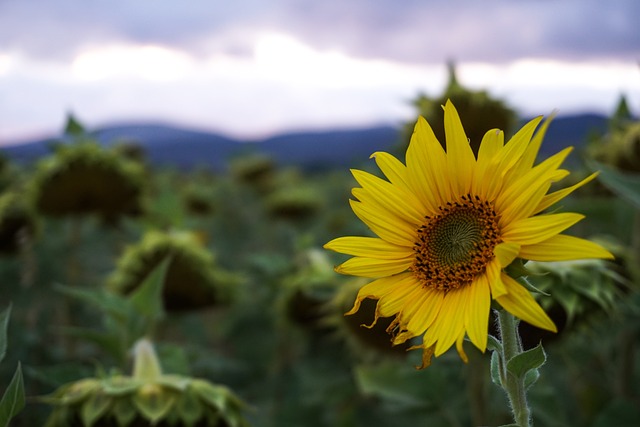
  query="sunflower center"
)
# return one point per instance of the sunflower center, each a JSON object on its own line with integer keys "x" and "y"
{"x": 455, "y": 246}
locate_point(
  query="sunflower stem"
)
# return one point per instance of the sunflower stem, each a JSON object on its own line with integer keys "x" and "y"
{"x": 512, "y": 385}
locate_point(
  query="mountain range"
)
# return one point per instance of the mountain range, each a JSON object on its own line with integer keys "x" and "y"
{"x": 166, "y": 145}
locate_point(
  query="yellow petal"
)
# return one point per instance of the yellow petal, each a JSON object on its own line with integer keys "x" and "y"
{"x": 369, "y": 247}
{"x": 374, "y": 268}
{"x": 383, "y": 194}
{"x": 487, "y": 178}
{"x": 460, "y": 159}
{"x": 450, "y": 321}
{"x": 426, "y": 166}
{"x": 477, "y": 313}
{"x": 494, "y": 279}
{"x": 516, "y": 146}
{"x": 422, "y": 316}
{"x": 538, "y": 228}
{"x": 391, "y": 303}
{"x": 516, "y": 195}
{"x": 529, "y": 157}
{"x": 395, "y": 171}
{"x": 564, "y": 248}
{"x": 385, "y": 226}
{"x": 506, "y": 253}
{"x": 460, "y": 348}
{"x": 519, "y": 302}
{"x": 556, "y": 196}
{"x": 379, "y": 288}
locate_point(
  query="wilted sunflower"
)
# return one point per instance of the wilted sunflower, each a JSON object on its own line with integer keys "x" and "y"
{"x": 448, "y": 224}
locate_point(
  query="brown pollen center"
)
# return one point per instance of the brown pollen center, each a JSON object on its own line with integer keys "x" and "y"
{"x": 455, "y": 246}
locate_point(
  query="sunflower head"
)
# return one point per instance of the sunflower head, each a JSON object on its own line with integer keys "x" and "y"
{"x": 82, "y": 178}
{"x": 448, "y": 222}
{"x": 147, "y": 398}
{"x": 193, "y": 281}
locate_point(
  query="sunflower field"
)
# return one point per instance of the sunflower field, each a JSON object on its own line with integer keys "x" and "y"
{"x": 135, "y": 295}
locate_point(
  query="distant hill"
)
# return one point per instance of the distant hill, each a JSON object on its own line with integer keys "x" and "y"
{"x": 184, "y": 148}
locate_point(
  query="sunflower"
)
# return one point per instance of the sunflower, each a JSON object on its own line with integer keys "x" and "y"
{"x": 448, "y": 224}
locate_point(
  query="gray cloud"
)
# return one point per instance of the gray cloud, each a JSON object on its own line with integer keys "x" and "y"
{"x": 410, "y": 31}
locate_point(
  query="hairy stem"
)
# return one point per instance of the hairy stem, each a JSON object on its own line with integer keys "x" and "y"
{"x": 513, "y": 386}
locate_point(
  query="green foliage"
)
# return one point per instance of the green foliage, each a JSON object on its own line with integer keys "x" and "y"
{"x": 125, "y": 318}
{"x": 281, "y": 340}
{"x": 12, "y": 400}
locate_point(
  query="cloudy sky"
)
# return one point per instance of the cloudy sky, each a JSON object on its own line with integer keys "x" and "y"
{"x": 251, "y": 68}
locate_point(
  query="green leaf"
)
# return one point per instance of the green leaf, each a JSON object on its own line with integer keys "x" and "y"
{"x": 531, "y": 377}
{"x": 147, "y": 298}
{"x": 108, "y": 302}
{"x": 494, "y": 344}
{"x": 627, "y": 186}
{"x": 524, "y": 362}
{"x": 13, "y": 399}
{"x": 496, "y": 371}
{"x": 94, "y": 408}
{"x": 4, "y": 323}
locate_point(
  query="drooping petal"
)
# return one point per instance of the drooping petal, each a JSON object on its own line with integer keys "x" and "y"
{"x": 538, "y": 228}
{"x": 477, "y": 313}
{"x": 519, "y": 302}
{"x": 369, "y": 247}
{"x": 381, "y": 287}
{"x": 426, "y": 310}
{"x": 460, "y": 159}
{"x": 460, "y": 348}
{"x": 374, "y": 268}
{"x": 564, "y": 248}
{"x": 391, "y": 303}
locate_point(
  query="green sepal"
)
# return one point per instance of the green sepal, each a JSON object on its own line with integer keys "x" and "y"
{"x": 13, "y": 399}
{"x": 94, "y": 408}
{"x": 213, "y": 395}
{"x": 154, "y": 402}
{"x": 77, "y": 392}
{"x": 124, "y": 411}
{"x": 189, "y": 408}
{"x": 527, "y": 284}
{"x": 120, "y": 385}
{"x": 526, "y": 361}
{"x": 517, "y": 269}
{"x": 496, "y": 370}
